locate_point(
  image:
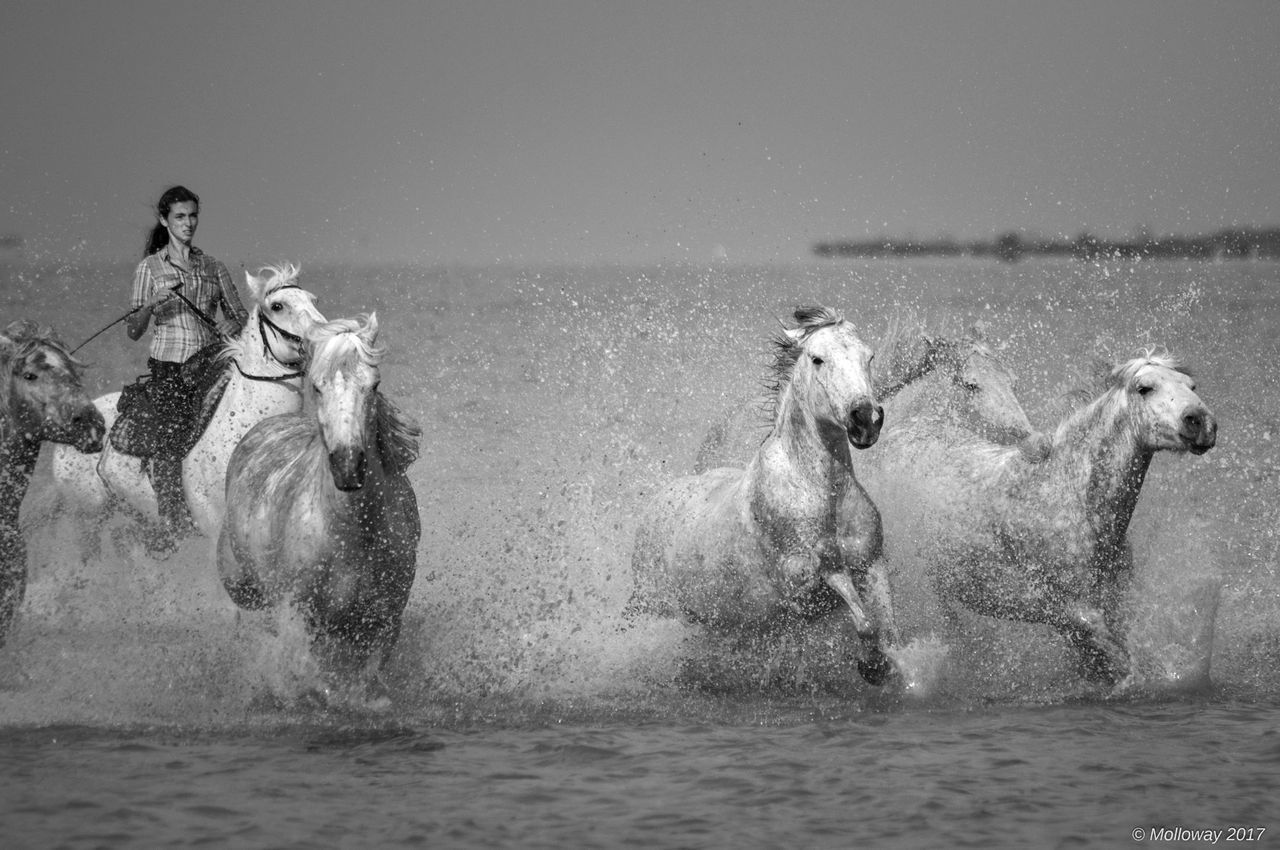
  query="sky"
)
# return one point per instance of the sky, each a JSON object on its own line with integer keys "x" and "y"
{"x": 629, "y": 131}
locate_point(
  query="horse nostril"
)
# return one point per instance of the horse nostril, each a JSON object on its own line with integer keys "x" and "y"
{"x": 1194, "y": 421}
{"x": 867, "y": 415}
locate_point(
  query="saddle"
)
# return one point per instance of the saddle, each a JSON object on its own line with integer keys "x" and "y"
{"x": 142, "y": 425}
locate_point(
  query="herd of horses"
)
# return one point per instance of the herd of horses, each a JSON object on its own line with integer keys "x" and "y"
{"x": 301, "y": 478}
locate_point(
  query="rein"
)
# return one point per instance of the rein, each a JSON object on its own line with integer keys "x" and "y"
{"x": 200, "y": 314}
{"x": 270, "y": 379}
{"x": 264, "y": 323}
{"x": 281, "y": 333}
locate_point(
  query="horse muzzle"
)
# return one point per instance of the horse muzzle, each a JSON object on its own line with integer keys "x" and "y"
{"x": 1199, "y": 431}
{"x": 864, "y": 424}
{"x": 81, "y": 426}
{"x": 347, "y": 465}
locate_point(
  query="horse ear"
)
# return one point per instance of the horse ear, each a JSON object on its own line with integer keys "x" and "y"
{"x": 370, "y": 332}
{"x": 9, "y": 336}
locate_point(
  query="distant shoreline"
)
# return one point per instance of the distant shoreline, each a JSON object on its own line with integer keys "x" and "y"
{"x": 1235, "y": 244}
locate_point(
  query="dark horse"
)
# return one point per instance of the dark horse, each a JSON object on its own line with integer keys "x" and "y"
{"x": 40, "y": 399}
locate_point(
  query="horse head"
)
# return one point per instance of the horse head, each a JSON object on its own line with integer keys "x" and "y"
{"x": 343, "y": 379}
{"x": 1165, "y": 412}
{"x": 40, "y": 390}
{"x": 828, "y": 368}
{"x": 283, "y": 313}
{"x": 985, "y": 391}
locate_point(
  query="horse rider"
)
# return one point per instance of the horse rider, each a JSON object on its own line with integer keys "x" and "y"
{"x": 181, "y": 288}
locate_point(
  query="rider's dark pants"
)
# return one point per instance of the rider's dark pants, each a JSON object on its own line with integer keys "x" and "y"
{"x": 172, "y": 398}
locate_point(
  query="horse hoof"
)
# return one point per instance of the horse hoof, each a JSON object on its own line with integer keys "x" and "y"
{"x": 875, "y": 672}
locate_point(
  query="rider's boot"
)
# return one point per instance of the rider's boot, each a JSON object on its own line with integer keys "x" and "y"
{"x": 175, "y": 519}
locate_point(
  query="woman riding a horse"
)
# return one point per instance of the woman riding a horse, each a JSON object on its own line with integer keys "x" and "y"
{"x": 181, "y": 288}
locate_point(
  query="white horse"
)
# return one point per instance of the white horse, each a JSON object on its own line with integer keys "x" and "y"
{"x": 320, "y": 510}
{"x": 1047, "y": 541}
{"x": 264, "y": 380}
{"x": 792, "y": 537}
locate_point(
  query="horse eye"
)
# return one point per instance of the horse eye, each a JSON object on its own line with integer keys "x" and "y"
{"x": 817, "y": 361}
{"x": 1144, "y": 389}
{"x": 277, "y": 307}
{"x": 29, "y": 376}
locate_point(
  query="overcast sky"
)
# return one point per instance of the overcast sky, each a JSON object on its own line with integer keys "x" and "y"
{"x": 632, "y": 131}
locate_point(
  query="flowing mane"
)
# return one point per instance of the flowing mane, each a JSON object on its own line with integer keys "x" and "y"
{"x": 397, "y": 436}
{"x": 337, "y": 341}
{"x": 1125, "y": 372}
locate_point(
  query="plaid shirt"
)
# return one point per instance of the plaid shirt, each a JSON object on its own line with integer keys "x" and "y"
{"x": 180, "y": 333}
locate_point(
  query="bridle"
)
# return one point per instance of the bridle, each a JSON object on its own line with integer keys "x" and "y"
{"x": 263, "y": 324}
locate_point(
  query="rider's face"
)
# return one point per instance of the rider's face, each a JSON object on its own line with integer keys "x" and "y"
{"x": 181, "y": 221}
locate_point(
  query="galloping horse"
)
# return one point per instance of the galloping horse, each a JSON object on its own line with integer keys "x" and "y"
{"x": 40, "y": 399}
{"x": 264, "y": 381}
{"x": 1047, "y": 542}
{"x": 320, "y": 510}
{"x": 958, "y": 380}
{"x": 793, "y": 536}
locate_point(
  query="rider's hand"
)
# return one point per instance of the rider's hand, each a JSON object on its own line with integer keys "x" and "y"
{"x": 162, "y": 295}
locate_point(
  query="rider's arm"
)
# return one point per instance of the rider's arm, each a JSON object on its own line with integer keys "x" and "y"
{"x": 229, "y": 297}
{"x": 136, "y": 323}
{"x": 147, "y": 295}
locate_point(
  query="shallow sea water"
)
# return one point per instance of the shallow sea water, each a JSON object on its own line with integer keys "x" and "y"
{"x": 138, "y": 708}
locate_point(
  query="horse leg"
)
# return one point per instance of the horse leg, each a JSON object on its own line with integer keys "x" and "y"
{"x": 875, "y": 666}
{"x": 241, "y": 585}
{"x": 13, "y": 577}
{"x": 1102, "y": 657}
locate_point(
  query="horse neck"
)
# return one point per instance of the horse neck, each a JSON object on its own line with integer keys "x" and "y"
{"x": 18, "y": 454}
{"x": 822, "y": 456}
{"x": 1100, "y": 439}
{"x": 253, "y": 360}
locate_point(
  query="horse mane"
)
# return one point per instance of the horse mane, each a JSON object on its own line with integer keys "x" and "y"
{"x": 1125, "y": 372}
{"x": 336, "y": 339}
{"x": 18, "y": 340}
{"x": 278, "y": 275}
{"x": 909, "y": 350}
{"x": 790, "y": 342}
{"x": 397, "y": 434}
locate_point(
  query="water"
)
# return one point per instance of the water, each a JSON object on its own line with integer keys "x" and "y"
{"x": 138, "y": 708}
